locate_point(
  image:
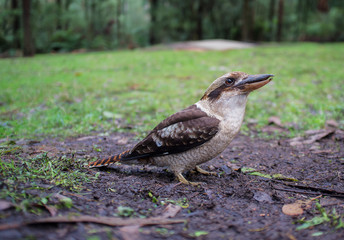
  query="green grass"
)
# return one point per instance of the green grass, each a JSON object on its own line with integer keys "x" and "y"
{"x": 332, "y": 218}
{"x": 22, "y": 175}
{"x": 62, "y": 171}
{"x": 70, "y": 94}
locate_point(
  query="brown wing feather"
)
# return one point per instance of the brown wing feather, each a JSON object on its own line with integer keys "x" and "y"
{"x": 180, "y": 132}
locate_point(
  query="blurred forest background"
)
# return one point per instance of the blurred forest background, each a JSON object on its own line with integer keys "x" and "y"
{"x": 41, "y": 26}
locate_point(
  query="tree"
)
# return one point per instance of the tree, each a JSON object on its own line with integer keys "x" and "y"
{"x": 59, "y": 13}
{"x": 153, "y": 21}
{"x": 271, "y": 18}
{"x": 15, "y": 24}
{"x": 199, "y": 19}
{"x": 247, "y": 20}
{"x": 28, "y": 45}
{"x": 280, "y": 20}
{"x": 323, "y": 6}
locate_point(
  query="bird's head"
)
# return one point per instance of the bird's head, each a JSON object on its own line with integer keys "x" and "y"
{"x": 233, "y": 84}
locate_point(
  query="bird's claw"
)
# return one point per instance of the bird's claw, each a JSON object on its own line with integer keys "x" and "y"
{"x": 183, "y": 180}
{"x": 200, "y": 170}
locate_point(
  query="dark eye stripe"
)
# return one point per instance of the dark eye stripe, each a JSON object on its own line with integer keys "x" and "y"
{"x": 215, "y": 94}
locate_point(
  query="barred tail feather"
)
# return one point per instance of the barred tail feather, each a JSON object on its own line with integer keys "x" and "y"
{"x": 107, "y": 161}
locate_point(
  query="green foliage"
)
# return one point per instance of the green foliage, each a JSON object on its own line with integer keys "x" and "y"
{"x": 332, "y": 218}
{"x": 63, "y": 171}
{"x": 64, "y": 41}
{"x": 125, "y": 211}
{"x": 62, "y": 26}
{"x": 200, "y": 233}
{"x": 69, "y": 94}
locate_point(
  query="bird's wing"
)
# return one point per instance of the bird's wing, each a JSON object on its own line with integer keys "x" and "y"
{"x": 180, "y": 132}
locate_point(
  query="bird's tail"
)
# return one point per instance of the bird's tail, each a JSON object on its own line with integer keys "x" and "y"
{"x": 107, "y": 161}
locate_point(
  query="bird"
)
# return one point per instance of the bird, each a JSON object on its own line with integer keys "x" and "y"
{"x": 197, "y": 133}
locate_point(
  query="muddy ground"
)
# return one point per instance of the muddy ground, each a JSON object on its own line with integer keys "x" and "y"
{"x": 233, "y": 205}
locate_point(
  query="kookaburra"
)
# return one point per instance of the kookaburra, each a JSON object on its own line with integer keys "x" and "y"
{"x": 198, "y": 133}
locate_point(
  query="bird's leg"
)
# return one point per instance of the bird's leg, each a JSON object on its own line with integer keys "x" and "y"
{"x": 183, "y": 180}
{"x": 200, "y": 170}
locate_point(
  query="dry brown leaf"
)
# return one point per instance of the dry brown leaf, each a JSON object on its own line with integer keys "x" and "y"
{"x": 293, "y": 209}
{"x": 276, "y": 121}
{"x": 171, "y": 211}
{"x": 130, "y": 232}
{"x": 52, "y": 210}
{"x": 273, "y": 128}
{"x": 5, "y": 205}
{"x": 123, "y": 141}
{"x": 296, "y": 208}
{"x": 233, "y": 166}
{"x": 313, "y": 136}
{"x": 86, "y": 138}
{"x": 331, "y": 123}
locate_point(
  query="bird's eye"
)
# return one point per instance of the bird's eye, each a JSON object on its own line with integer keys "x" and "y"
{"x": 229, "y": 81}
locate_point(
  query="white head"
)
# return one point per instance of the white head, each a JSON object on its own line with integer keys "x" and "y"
{"x": 227, "y": 95}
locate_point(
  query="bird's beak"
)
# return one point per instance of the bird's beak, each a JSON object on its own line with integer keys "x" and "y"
{"x": 253, "y": 82}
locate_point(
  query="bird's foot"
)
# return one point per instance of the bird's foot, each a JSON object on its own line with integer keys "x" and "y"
{"x": 182, "y": 179}
{"x": 200, "y": 170}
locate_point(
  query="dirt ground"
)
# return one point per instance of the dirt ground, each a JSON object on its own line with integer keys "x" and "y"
{"x": 233, "y": 205}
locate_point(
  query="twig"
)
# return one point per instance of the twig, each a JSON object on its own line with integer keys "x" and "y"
{"x": 307, "y": 192}
{"x": 315, "y": 190}
{"x": 109, "y": 221}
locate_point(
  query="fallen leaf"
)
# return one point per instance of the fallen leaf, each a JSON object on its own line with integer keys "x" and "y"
{"x": 313, "y": 136}
{"x": 233, "y": 166}
{"x": 171, "y": 211}
{"x": 5, "y": 205}
{"x": 318, "y": 136}
{"x": 275, "y": 120}
{"x": 331, "y": 123}
{"x": 123, "y": 141}
{"x": 130, "y": 232}
{"x": 272, "y": 128}
{"x": 296, "y": 208}
{"x": 262, "y": 197}
{"x": 52, "y": 210}
{"x": 293, "y": 209}
{"x": 86, "y": 138}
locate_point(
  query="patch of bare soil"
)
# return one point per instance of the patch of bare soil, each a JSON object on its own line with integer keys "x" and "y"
{"x": 233, "y": 205}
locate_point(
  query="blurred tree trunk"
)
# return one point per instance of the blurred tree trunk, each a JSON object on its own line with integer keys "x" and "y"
{"x": 199, "y": 15}
{"x": 271, "y": 18}
{"x": 68, "y": 2}
{"x": 247, "y": 21}
{"x": 280, "y": 20}
{"x": 16, "y": 24}
{"x": 118, "y": 22}
{"x": 28, "y": 45}
{"x": 323, "y": 6}
{"x": 59, "y": 13}
{"x": 152, "y": 27}
{"x": 92, "y": 18}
